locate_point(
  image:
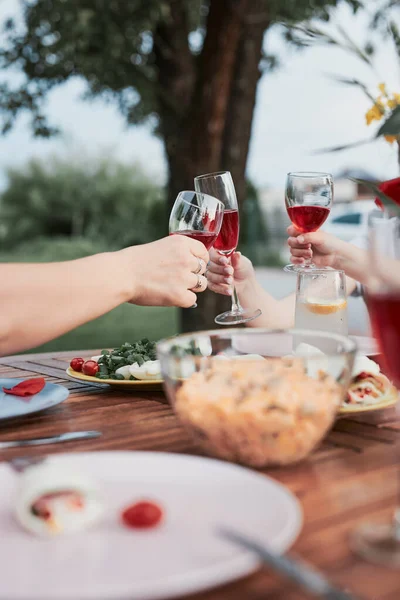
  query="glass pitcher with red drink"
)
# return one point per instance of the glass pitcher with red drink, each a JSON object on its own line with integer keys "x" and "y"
{"x": 308, "y": 199}
{"x": 380, "y": 542}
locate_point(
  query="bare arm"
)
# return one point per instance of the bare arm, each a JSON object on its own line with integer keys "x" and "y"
{"x": 276, "y": 314}
{"x": 221, "y": 275}
{"x": 42, "y": 301}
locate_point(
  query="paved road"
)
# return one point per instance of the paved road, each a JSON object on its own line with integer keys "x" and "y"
{"x": 279, "y": 283}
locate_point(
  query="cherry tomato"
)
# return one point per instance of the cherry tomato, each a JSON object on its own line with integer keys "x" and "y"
{"x": 142, "y": 515}
{"x": 76, "y": 364}
{"x": 90, "y": 367}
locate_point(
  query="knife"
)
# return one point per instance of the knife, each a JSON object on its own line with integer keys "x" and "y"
{"x": 55, "y": 439}
{"x": 302, "y": 574}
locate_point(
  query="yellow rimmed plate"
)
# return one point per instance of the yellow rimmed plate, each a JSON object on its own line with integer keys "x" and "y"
{"x": 125, "y": 384}
{"x": 391, "y": 400}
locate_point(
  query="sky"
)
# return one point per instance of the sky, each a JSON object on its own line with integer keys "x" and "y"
{"x": 299, "y": 110}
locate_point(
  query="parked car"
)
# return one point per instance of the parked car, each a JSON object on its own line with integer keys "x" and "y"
{"x": 351, "y": 221}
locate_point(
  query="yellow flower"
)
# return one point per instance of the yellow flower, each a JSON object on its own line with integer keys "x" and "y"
{"x": 382, "y": 88}
{"x": 391, "y": 138}
{"x": 375, "y": 113}
{"x": 394, "y": 101}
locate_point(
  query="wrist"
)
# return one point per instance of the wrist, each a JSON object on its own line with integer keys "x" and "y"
{"x": 353, "y": 261}
{"x": 248, "y": 287}
{"x": 118, "y": 266}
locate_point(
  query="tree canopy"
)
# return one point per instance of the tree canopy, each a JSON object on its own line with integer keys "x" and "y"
{"x": 113, "y": 46}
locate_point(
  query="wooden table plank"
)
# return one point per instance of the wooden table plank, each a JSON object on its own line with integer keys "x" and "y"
{"x": 349, "y": 479}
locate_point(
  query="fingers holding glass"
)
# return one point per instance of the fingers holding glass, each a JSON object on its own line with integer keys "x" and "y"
{"x": 308, "y": 200}
{"x": 220, "y": 284}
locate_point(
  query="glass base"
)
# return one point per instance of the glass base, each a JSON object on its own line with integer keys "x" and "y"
{"x": 377, "y": 543}
{"x": 237, "y": 317}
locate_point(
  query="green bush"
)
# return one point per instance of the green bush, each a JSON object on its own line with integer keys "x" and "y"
{"x": 97, "y": 200}
{"x": 53, "y": 250}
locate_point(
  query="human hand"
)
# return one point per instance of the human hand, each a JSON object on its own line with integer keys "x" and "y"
{"x": 224, "y": 272}
{"x": 168, "y": 272}
{"x": 323, "y": 248}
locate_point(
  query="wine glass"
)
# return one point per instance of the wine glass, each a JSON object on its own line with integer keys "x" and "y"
{"x": 308, "y": 200}
{"x": 221, "y": 186}
{"x": 380, "y": 542}
{"x": 198, "y": 216}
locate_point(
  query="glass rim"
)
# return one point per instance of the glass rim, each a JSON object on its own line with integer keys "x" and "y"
{"x": 349, "y": 345}
{"x": 309, "y": 174}
{"x": 198, "y": 194}
{"x": 214, "y": 174}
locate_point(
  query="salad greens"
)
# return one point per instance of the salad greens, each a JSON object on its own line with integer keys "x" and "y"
{"x": 127, "y": 354}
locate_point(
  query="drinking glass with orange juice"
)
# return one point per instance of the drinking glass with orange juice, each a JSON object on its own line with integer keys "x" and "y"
{"x": 321, "y": 301}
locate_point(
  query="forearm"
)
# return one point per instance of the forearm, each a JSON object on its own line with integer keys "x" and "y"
{"x": 42, "y": 301}
{"x": 276, "y": 314}
{"x": 353, "y": 261}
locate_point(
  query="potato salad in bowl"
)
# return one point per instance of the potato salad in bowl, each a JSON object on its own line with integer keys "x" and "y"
{"x": 246, "y": 397}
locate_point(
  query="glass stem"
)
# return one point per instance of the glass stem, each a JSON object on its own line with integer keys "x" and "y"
{"x": 236, "y": 306}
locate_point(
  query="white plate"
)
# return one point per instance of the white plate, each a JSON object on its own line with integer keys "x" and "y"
{"x": 180, "y": 557}
{"x": 366, "y": 346}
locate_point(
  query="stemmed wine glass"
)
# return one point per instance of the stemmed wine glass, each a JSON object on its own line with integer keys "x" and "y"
{"x": 198, "y": 216}
{"x": 308, "y": 200}
{"x": 221, "y": 186}
{"x": 381, "y": 542}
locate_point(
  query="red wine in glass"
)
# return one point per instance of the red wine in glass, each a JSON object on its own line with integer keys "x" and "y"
{"x": 308, "y": 199}
{"x": 380, "y": 541}
{"x": 384, "y": 310}
{"x": 204, "y": 237}
{"x": 229, "y": 235}
{"x": 307, "y": 218}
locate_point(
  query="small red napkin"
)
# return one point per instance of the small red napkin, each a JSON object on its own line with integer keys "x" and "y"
{"x": 26, "y": 388}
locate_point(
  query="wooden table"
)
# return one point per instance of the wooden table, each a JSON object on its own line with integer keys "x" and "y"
{"x": 351, "y": 478}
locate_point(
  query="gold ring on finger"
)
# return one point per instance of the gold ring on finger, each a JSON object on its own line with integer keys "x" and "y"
{"x": 199, "y": 283}
{"x": 200, "y": 266}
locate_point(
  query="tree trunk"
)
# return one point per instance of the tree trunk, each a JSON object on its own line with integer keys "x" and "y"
{"x": 207, "y": 119}
{"x": 211, "y": 129}
{"x": 176, "y": 78}
{"x": 243, "y": 96}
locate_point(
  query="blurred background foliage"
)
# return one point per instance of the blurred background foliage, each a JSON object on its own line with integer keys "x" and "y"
{"x": 97, "y": 200}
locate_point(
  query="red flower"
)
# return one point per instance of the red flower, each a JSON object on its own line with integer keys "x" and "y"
{"x": 391, "y": 189}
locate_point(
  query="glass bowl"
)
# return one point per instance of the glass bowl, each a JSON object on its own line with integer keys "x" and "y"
{"x": 257, "y": 397}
